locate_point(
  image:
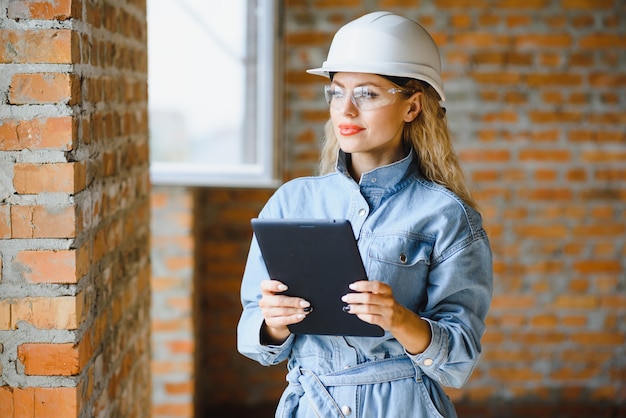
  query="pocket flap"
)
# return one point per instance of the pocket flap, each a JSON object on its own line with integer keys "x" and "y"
{"x": 401, "y": 250}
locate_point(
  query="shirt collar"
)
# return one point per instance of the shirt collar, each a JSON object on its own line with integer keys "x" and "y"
{"x": 386, "y": 176}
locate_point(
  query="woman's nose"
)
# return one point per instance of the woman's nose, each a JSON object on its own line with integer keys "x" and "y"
{"x": 349, "y": 106}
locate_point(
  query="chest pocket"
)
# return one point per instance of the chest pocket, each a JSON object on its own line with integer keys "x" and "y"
{"x": 403, "y": 263}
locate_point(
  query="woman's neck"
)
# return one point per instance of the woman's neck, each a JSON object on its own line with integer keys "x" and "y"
{"x": 360, "y": 163}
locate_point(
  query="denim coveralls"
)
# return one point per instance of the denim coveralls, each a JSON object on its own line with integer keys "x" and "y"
{"x": 424, "y": 242}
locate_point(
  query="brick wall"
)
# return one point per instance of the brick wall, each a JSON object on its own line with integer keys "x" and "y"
{"x": 74, "y": 209}
{"x": 224, "y": 377}
{"x": 173, "y": 341}
{"x": 536, "y": 102}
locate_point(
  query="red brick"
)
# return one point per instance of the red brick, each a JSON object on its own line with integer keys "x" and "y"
{"x": 6, "y": 401}
{"x": 517, "y": 20}
{"x": 581, "y": 59}
{"x": 602, "y": 41}
{"x": 569, "y": 374}
{"x": 521, "y": 4}
{"x": 480, "y": 40}
{"x": 5, "y": 315}
{"x": 45, "y": 359}
{"x": 551, "y": 40}
{"x": 509, "y": 374}
{"x": 545, "y": 175}
{"x": 5, "y": 222}
{"x": 577, "y": 175}
{"x": 576, "y": 301}
{"x": 179, "y": 388}
{"x": 109, "y": 162}
{"x": 497, "y": 78}
{"x": 56, "y": 46}
{"x": 592, "y": 339}
{"x": 43, "y": 9}
{"x": 308, "y": 38}
{"x": 336, "y": 3}
{"x": 587, "y": 4}
{"x": 607, "y": 80}
{"x": 487, "y": 155}
{"x": 607, "y": 118}
{"x": 450, "y": 4}
{"x": 461, "y": 21}
{"x": 546, "y": 194}
{"x": 42, "y": 178}
{"x": 42, "y": 88}
{"x": 579, "y": 285}
{"x": 554, "y": 79}
{"x": 43, "y": 222}
{"x": 574, "y": 321}
{"x": 551, "y": 59}
{"x": 57, "y": 402}
{"x": 513, "y": 301}
{"x": 544, "y": 321}
{"x": 24, "y": 402}
{"x": 614, "y": 302}
{"x": 42, "y": 133}
{"x": 606, "y": 229}
{"x": 538, "y": 116}
{"x": 181, "y": 347}
{"x": 545, "y": 155}
{"x": 545, "y": 136}
{"x": 41, "y": 266}
{"x": 489, "y": 20}
{"x": 63, "y": 312}
{"x": 504, "y": 116}
{"x": 172, "y": 410}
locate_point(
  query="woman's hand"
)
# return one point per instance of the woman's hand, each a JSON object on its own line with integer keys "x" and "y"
{"x": 374, "y": 302}
{"x": 280, "y": 310}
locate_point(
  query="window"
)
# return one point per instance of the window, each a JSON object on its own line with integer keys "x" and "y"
{"x": 211, "y": 88}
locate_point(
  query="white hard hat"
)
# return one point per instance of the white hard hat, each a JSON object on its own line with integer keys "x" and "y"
{"x": 386, "y": 44}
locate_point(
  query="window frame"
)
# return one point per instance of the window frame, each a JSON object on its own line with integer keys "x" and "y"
{"x": 264, "y": 172}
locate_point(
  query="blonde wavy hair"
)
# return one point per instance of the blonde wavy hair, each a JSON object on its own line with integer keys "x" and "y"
{"x": 428, "y": 135}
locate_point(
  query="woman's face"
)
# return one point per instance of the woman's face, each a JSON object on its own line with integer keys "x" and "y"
{"x": 371, "y": 131}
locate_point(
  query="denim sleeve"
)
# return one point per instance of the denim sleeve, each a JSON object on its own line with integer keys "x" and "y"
{"x": 459, "y": 295}
{"x": 249, "y": 327}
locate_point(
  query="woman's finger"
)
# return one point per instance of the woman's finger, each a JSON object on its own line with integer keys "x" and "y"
{"x": 272, "y": 286}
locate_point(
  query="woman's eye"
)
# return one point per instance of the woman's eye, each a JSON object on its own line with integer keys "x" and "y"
{"x": 367, "y": 94}
{"x": 337, "y": 93}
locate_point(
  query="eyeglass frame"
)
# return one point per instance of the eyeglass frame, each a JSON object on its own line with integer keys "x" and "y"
{"x": 394, "y": 90}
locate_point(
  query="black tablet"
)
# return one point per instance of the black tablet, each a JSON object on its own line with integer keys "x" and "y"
{"x": 317, "y": 259}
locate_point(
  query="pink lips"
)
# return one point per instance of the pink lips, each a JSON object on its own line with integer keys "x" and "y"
{"x": 347, "y": 130}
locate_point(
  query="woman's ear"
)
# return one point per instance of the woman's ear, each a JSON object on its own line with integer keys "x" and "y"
{"x": 415, "y": 107}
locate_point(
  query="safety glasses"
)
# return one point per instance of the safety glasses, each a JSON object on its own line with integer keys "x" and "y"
{"x": 363, "y": 97}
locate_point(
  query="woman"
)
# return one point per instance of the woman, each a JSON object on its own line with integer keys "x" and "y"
{"x": 387, "y": 166}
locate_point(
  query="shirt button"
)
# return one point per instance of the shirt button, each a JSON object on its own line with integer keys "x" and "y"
{"x": 428, "y": 362}
{"x": 346, "y": 410}
{"x": 374, "y": 180}
{"x": 362, "y": 212}
{"x": 403, "y": 258}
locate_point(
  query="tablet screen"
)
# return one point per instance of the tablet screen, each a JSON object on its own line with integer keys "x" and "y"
{"x": 317, "y": 259}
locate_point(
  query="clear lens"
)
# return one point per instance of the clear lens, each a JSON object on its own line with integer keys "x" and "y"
{"x": 363, "y": 97}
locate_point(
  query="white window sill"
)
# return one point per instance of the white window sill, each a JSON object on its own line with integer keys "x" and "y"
{"x": 181, "y": 174}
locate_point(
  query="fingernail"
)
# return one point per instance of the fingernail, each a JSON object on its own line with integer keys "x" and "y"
{"x": 304, "y": 303}
{"x": 308, "y": 309}
{"x": 343, "y": 298}
{"x": 346, "y": 308}
{"x": 352, "y": 286}
{"x": 300, "y": 316}
{"x": 282, "y": 287}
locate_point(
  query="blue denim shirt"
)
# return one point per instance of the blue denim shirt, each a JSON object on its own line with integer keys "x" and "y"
{"x": 424, "y": 242}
